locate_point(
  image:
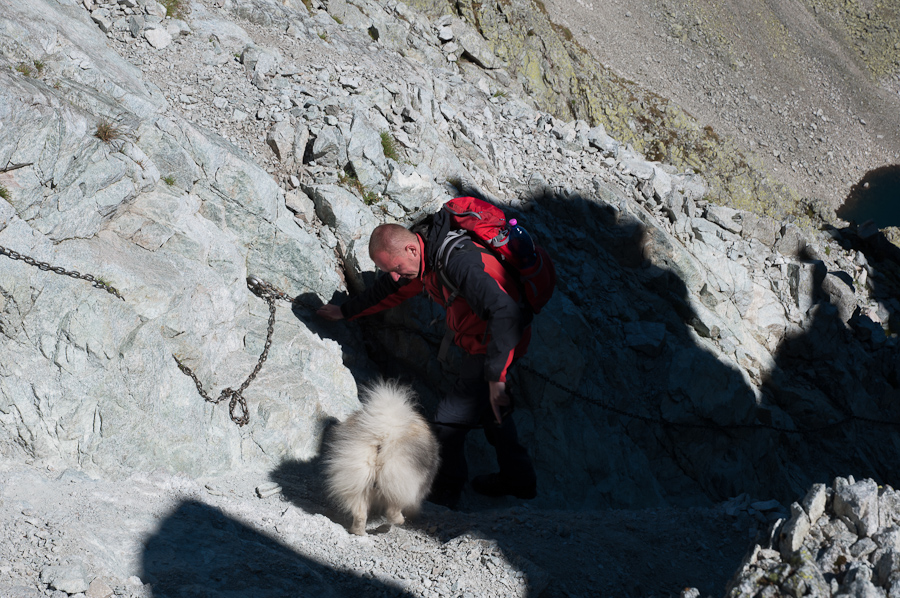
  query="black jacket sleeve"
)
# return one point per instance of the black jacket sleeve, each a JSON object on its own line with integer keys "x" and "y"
{"x": 478, "y": 274}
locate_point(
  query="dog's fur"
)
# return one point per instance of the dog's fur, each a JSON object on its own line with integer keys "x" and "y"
{"x": 383, "y": 458}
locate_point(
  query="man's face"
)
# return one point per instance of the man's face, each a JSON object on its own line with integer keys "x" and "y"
{"x": 402, "y": 264}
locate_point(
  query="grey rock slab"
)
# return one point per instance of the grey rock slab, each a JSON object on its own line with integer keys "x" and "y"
{"x": 711, "y": 234}
{"x": 340, "y": 209}
{"x": 645, "y": 337}
{"x": 802, "y": 284}
{"x": 841, "y": 295}
{"x": 887, "y": 567}
{"x": 762, "y": 228}
{"x": 693, "y": 187}
{"x": 889, "y": 508}
{"x": 814, "y": 502}
{"x": 163, "y": 144}
{"x": 330, "y": 148}
{"x": 794, "y": 531}
{"x": 662, "y": 184}
{"x": 888, "y": 538}
{"x": 364, "y": 150}
{"x": 863, "y": 548}
{"x": 10, "y": 590}
{"x": 70, "y": 579}
{"x": 598, "y": 138}
{"x": 300, "y": 204}
{"x": 858, "y": 503}
{"x": 728, "y": 218}
{"x": 639, "y": 168}
{"x": 764, "y": 316}
{"x": 792, "y": 241}
{"x": 281, "y": 139}
{"x": 859, "y": 588}
{"x": 99, "y": 589}
{"x": 260, "y": 61}
{"x": 158, "y": 38}
{"x": 474, "y": 45}
{"x": 349, "y": 14}
{"x": 410, "y": 189}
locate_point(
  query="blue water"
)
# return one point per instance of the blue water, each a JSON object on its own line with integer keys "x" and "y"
{"x": 875, "y": 197}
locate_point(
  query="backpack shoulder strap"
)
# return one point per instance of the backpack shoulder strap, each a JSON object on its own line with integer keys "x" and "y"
{"x": 453, "y": 240}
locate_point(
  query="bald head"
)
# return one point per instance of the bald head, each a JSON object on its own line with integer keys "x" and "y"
{"x": 395, "y": 251}
{"x": 389, "y": 239}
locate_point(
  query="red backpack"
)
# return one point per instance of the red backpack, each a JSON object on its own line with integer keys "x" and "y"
{"x": 486, "y": 224}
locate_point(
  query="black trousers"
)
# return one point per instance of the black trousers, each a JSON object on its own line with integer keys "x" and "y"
{"x": 468, "y": 404}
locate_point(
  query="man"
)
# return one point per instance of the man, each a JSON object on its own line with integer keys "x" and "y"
{"x": 488, "y": 321}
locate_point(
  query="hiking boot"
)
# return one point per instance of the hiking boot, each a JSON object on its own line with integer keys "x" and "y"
{"x": 493, "y": 484}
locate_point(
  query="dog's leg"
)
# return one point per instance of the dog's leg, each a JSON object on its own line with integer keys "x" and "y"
{"x": 394, "y": 516}
{"x": 359, "y": 510}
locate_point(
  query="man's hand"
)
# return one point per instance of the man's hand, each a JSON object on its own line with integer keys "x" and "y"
{"x": 330, "y": 312}
{"x": 498, "y": 398}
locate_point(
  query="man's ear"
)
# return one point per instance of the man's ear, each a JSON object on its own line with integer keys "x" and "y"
{"x": 413, "y": 248}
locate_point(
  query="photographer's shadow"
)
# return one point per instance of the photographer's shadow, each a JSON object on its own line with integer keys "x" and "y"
{"x": 200, "y": 551}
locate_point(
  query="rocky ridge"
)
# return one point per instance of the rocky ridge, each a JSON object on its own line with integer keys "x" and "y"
{"x": 809, "y": 88}
{"x": 265, "y": 139}
{"x": 839, "y": 541}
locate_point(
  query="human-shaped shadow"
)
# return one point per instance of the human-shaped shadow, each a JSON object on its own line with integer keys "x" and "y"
{"x": 200, "y": 551}
{"x": 838, "y": 377}
{"x": 673, "y": 424}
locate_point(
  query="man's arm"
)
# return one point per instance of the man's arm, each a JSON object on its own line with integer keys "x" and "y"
{"x": 330, "y": 312}
{"x": 483, "y": 281}
{"x": 384, "y": 294}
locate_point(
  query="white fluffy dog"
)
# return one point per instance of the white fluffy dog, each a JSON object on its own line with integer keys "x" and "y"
{"x": 383, "y": 458}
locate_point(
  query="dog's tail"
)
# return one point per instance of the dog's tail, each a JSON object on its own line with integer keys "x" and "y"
{"x": 386, "y": 450}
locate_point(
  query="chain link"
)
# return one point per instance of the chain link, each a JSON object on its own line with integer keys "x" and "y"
{"x": 96, "y": 282}
{"x": 237, "y": 404}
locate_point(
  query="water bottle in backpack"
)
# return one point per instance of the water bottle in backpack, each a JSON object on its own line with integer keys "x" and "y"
{"x": 520, "y": 244}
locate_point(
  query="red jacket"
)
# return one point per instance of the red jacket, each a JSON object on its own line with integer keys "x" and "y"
{"x": 486, "y": 318}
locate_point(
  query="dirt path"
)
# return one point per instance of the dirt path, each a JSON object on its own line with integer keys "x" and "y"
{"x": 157, "y": 535}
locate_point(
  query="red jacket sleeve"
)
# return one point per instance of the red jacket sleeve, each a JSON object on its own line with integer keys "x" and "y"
{"x": 384, "y": 294}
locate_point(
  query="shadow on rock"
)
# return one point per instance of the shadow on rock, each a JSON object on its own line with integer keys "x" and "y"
{"x": 303, "y": 483}
{"x": 645, "y": 386}
{"x": 837, "y": 381}
{"x": 199, "y": 551}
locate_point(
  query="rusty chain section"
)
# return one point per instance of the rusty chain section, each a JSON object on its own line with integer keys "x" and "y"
{"x": 237, "y": 404}
{"x": 10, "y": 166}
{"x": 100, "y": 284}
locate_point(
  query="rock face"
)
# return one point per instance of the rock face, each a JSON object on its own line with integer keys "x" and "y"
{"x": 692, "y": 352}
{"x": 842, "y": 541}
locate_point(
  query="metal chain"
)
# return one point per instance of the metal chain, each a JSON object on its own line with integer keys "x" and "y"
{"x": 664, "y": 422}
{"x": 849, "y": 416}
{"x": 237, "y": 404}
{"x": 269, "y": 293}
{"x": 73, "y": 273}
{"x": 10, "y": 166}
